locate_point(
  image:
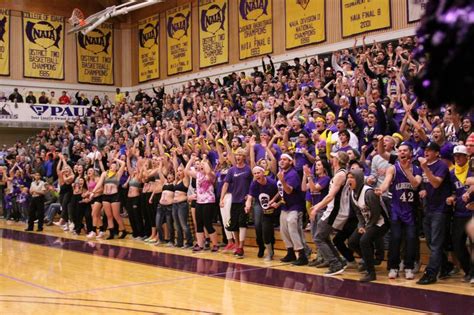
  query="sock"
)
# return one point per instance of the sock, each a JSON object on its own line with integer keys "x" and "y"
{"x": 242, "y": 232}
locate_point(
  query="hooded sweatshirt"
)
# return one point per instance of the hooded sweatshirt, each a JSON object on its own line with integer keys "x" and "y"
{"x": 367, "y": 204}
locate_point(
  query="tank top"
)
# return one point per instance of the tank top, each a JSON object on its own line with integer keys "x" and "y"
{"x": 338, "y": 210}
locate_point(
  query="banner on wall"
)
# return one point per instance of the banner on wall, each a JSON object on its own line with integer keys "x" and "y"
{"x": 213, "y": 32}
{"x": 4, "y": 42}
{"x": 305, "y": 22}
{"x": 360, "y": 16}
{"x": 178, "y": 38}
{"x": 416, "y": 8}
{"x": 148, "y": 49}
{"x": 255, "y": 28}
{"x": 43, "y": 46}
{"x": 95, "y": 55}
{"x": 41, "y": 113}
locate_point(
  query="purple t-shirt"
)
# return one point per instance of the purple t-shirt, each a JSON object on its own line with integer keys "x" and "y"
{"x": 316, "y": 197}
{"x": 300, "y": 157}
{"x": 260, "y": 152}
{"x": 295, "y": 200}
{"x": 436, "y": 197}
{"x": 459, "y": 189}
{"x": 264, "y": 193}
{"x": 239, "y": 182}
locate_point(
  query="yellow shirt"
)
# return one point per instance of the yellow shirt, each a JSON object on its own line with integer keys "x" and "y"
{"x": 119, "y": 97}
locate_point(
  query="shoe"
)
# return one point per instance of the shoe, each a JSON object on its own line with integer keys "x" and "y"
{"x": 71, "y": 227}
{"x": 215, "y": 249}
{"x": 446, "y": 271}
{"x": 261, "y": 252}
{"x": 301, "y": 261}
{"x": 308, "y": 251}
{"x": 207, "y": 244}
{"x": 197, "y": 248}
{"x": 111, "y": 235}
{"x": 59, "y": 223}
{"x": 170, "y": 244}
{"x": 417, "y": 267}
{"x": 315, "y": 262}
{"x": 455, "y": 271}
{"x": 229, "y": 247}
{"x": 186, "y": 246}
{"x": 335, "y": 269}
{"x": 322, "y": 264}
{"x": 290, "y": 256}
{"x": 370, "y": 276}
{"x": 39, "y": 230}
{"x": 362, "y": 268}
{"x": 91, "y": 234}
{"x": 270, "y": 253}
{"x": 427, "y": 278}
{"x": 123, "y": 234}
{"x": 393, "y": 273}
{"x": 239, "y": 253}
{"x": 101, "y": 235}
{"x": 351, "y": 265}
{"x": 409, "y": 275}
{"x": 28, "y": 230}
{"x": 157, "y": 243}
{"x": 65, "y": 227}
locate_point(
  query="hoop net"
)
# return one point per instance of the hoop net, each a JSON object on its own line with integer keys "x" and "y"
{"x": 77, "y": 18}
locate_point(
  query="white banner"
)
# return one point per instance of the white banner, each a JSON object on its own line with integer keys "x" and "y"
{"x": 40, "y": 113}
{"x": 416, "y": 8}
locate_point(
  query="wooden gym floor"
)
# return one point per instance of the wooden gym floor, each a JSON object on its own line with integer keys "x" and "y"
{"x": 56, "y": 273}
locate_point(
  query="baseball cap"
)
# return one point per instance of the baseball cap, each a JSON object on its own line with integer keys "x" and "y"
{"x": 433, "y": 146}
{"x": 460, "y": 149}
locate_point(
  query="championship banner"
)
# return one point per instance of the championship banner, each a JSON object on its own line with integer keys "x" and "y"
{"x": 360, "y": 16}
{"x": 148, "y": 49}
{"x": 416, "y": 8}
{"x": 4, "y": 42}
{"x": 213, "y": 32}
{"x": 43, "y": 46}
{"x": 255, "y": 28}
{"x": 40, "y": 113}
{"x": 95, "y": 55}
{"x": 305, "y": 22}
{"x": 178, "y": 37}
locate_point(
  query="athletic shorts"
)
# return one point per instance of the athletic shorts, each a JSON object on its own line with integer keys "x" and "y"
{"x": 111, "y": 198}
{"x": 238, "y": 217}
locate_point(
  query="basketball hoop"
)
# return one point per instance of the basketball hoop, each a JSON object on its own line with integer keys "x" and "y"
{"x": 77, "y": 18}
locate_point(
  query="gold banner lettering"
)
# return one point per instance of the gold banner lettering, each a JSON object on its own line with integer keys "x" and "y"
{"x": 4, "y": 42}
{"x": 43, "y": 46}
{"x": 213, "y": 32}
{"x": 178, "y": 37}
{"x": 360, "y": 16}
{"x": 148, "y": 49}
{"x": 95, "y": 55}
{"x": 305, "y": 22}
{"x": 255, "y": 28}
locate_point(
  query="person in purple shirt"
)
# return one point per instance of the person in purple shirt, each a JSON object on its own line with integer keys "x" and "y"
{"x": 291, "y": 217}
{"x": 305, "y": 153}
{"x": 237, "y": 182}
{"x": 264, "y": 191}
{"x": 403, "y": 178}
{"x": 436, "y": 189}
{"x": 462, "y": 215}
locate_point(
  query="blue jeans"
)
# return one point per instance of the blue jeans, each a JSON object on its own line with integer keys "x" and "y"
{"x": 180, "y": 218}
{"x": 165, "y": 213}
{"x": 397, "y": 229}
{"x": 51, "y": 211}
{"x": 434, "y": 226}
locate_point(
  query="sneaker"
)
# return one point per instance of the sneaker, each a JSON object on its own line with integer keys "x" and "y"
{"x": 157, "y": 243}
{"x": 239, "y": 253}
{"x": 65, "y": 227}
{"x": 427, "y": 279}
{"x": 323, "y": 264}
{"x": 290, "y": 256}
{"x": 417, "y": 267}
{"x": 393, "y": 273}
{"x": 229, "y": 247}
{"x": 315, "y": 262}
{"x": 362, "y": 268}
{"x": 71, "y": 227}
{"x": 261, "y": 252}
{"x": 197, "y": 248}
{"x": 101, "y": 235}
{"x": 334, "y": 270}
{"x": 455, "y": 271}
{"x": 351, "y": 265}
{"x": 301, "y": 261}
{"x": 59, "y": 223}
{"x": 170, "y": 244}
{"x": 370, "y": 276}
{"x": 446, "y": 271}
{"x": 91, "y": 234}
{"x": 215, "y": 249}
{"x": 186, "y": 246}
{"x": 409, "y": 275}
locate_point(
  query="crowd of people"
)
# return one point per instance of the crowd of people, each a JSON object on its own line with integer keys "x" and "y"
{"x": 341, "y": 146}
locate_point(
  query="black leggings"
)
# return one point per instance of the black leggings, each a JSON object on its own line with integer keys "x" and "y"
{"x": 204, "y": 215}
{"x": 135, "y": 215}
{"x": 65, "y": 199}
{"x": 340, "y": 239}
{"x": 76, "y": 212}
{"x": 363, "y": 244}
